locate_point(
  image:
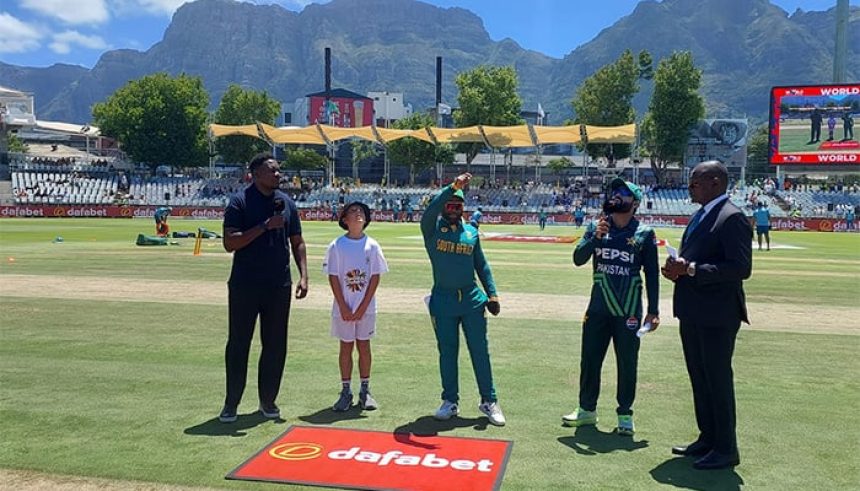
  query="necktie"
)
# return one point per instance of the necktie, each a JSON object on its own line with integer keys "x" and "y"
{"x": 694, "y": 222}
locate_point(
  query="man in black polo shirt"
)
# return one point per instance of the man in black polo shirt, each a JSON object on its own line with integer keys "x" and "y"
{"x": 261, "y": 226}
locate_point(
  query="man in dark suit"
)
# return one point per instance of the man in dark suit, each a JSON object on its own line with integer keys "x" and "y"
{"x": 714, "y": 259}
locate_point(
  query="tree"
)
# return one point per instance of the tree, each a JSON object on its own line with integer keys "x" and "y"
{"x": 674, "y": 108}
{"x": 417, "y": 154}
{"x": 158, "y": 120}
{"x": 362, "y": 149}
{"x": 300, "y": 159}
{"x": 244, "y": 106}
{"x": 559, "y": 164}
{"x": 488, "y": 95}
{"x": 606, "y": 98}
{"x": 16, "y": 145}
{"x": 758, "y": 165}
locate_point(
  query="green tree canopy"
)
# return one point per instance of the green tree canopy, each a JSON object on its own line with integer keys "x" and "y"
{"x": 559, "y": 164}
{"x": 417, "y": 154}
{"x": 301, "y": 158}
{"x": 361, "y": 150}
{"x": 487, "y": 95}
{"x": 158, "y": 120}
{"x": 606, "y": 98}
{"x": 675, "y": 107}
{"x": 758, "y": 165}
{"x": 244, "y": 106}
{"x": 17, "y": 145}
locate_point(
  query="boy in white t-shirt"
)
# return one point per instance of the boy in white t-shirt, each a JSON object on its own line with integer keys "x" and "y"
{"x": 353, "y": 263}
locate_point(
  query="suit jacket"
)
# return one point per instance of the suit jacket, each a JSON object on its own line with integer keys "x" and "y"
{"x": 721, "y": 247}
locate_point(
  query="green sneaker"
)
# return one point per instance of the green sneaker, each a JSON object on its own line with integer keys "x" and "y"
{"x": 580, "y": 417}
{"x": 625, "y": 424}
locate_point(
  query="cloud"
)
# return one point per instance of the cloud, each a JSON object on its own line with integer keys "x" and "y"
{"x": 62, "y": 42}
{"x": 160, "y": 6}
{"x": 17, "y": 36}
{"x": 70, "y": 12}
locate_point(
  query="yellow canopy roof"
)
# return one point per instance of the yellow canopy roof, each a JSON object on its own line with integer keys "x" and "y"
{"x": 547, "y": 135}
{"x": 496, "y": 136}
{"x": 335, "y": 133}
{"x": 457, "y": 135}
{"x": 219, "y": 130}
{"x": 309, "y": 135}
{"x": 389, "y": 135}
{"x": 508, "y": 136}
{"x": 611, "y": 134}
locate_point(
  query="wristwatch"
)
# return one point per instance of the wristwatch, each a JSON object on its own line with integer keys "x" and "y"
{"x": 691, "y": 269}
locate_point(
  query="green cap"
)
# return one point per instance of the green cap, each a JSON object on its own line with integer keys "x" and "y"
{"x": 618, "y": 182}
{"x": 459, "y": 195}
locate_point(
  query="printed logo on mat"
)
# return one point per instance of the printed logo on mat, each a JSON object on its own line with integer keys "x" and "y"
{"x": 359, "y": 459}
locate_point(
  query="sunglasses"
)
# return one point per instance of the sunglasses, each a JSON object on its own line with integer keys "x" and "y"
{"x": 622, "y": 191}
{"x": 453, "y": 206}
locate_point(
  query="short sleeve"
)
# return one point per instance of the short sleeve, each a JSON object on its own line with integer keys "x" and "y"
{"x": 295, "y": 223}
{"x": 378, "y": 264}
{"x": 330, "y": 261}
{"x": 234, "y": 214}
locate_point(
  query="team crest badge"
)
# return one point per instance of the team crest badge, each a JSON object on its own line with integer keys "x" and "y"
{"x": 444, "y": 229}
{"x": 631, "y": 241}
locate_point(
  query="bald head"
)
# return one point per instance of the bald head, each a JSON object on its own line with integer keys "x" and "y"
{"x": 707, "y": 181}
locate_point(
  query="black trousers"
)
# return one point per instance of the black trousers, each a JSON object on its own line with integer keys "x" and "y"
{"x": 597, "y": 330}
{"x": 815, "y": 133}
{"x": 272, "y": 305}
{"x": 708, "y": 351}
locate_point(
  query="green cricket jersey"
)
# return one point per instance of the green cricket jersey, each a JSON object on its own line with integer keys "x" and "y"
{"x": 616, "y": 263}
{"x": 455, "y": 255}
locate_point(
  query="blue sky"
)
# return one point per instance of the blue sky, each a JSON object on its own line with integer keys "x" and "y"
{"x": 44, "y": 32}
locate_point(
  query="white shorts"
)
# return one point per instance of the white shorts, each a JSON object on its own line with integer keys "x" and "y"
{"x": 349, "y": 331}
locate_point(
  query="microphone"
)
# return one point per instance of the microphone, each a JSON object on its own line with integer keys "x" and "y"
{"x": 609, "y": 206}
{"x": 280, "y": 205}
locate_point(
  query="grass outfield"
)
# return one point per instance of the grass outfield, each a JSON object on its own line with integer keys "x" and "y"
{"x": 111, "y": 362}
{"x": 794, "y": 138}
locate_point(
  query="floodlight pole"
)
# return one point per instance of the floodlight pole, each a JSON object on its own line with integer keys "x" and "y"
{"x": 841, "y": 52}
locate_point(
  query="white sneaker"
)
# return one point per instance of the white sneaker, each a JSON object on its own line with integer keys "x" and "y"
{"x": 493, "y": 412}
{"x": 447, "y": 411}
{"x": 579, "y": 417}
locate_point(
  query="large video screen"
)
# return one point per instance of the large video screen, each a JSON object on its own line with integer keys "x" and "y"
{"x": 814, "y": 125}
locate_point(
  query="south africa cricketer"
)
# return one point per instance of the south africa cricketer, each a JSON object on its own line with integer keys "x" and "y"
{"x": 455, "y": 255}
{"x": 619, "y": 247}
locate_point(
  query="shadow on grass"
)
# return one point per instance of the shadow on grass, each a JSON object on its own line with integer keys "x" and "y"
{"x": 588, "y": 440}
{"x": 327, "y": 416}
{"x": 679, "y": 472}
{"x": 213, "y": 427}
{"x": 430, "y": 426}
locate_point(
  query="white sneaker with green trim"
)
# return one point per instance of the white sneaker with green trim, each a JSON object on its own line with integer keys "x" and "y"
{"x": 579, "y": 417}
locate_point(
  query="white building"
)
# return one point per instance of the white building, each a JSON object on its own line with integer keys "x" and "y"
{"x": 388, "y": 107}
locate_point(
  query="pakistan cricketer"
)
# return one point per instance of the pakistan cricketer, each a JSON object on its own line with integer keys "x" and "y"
{"x": 455, "y": 255}
{"x": 619, "y": 247}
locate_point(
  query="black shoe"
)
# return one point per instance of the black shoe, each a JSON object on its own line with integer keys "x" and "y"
{"x": 228, "y": 415}
{"x": 270, "y": 410}
{"x": 695, "y": 449}
{"x": 716, "y": 460}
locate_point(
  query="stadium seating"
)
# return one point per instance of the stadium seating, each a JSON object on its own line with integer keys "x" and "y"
{"x": 52, "y": 186}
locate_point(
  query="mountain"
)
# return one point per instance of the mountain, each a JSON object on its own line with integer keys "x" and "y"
{"x": 743, "y": 46}
{"x": 45, "y": 83}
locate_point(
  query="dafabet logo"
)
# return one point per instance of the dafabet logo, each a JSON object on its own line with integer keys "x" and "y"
{"x": 306, "y": 451}
{"x": 296, "y": 451}
{"x": 361, "y": 459}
